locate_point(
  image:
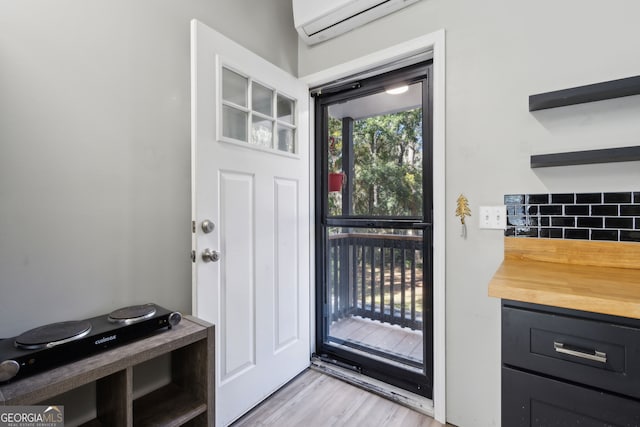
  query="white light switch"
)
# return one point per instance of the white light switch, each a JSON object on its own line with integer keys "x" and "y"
{"x": 493, "y": 217}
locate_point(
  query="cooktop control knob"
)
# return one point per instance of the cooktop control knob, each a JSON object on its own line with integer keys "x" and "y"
{"x": 175, "y": 318}
{"x": 8, "y": 370}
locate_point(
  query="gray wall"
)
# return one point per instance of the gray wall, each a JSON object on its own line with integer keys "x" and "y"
{"x": 498, "y": 53}
{"x": 95, "y": 149}
{"x": 94, "y": 144}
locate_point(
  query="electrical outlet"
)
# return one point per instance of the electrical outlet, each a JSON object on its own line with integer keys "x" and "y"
{"x": 493, "y": 217}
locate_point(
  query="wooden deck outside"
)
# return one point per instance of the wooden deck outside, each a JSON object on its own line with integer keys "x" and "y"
{"x": 391, "y": 339}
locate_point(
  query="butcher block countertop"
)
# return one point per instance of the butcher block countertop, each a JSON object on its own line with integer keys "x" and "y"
{"x": 600, "y": 277}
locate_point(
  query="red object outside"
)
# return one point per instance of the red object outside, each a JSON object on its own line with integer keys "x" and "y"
{"x": 335, "y": 181}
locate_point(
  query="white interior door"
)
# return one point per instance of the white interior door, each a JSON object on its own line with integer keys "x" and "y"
{"x": 250, "y": 180}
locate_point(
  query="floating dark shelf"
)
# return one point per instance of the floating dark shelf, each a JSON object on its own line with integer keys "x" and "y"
{"x": 589, "y": 93}
{"x": 607, "y": 155}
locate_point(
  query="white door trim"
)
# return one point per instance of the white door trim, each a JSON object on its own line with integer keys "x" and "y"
{"x": 434, "y": 42}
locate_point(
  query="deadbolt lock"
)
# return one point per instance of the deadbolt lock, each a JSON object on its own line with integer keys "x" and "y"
{"x": 207, "y": 226}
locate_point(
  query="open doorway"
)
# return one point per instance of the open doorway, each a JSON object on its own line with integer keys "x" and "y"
{"x": 374, "y": 234}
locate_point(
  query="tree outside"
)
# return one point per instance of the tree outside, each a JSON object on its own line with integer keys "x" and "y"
{"x": 388, "y": 164}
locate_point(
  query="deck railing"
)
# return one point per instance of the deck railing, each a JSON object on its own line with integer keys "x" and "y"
{"x": 376, "y": 276}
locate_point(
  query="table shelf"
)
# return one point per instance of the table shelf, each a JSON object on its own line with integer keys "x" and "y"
{"x": 187, "y": 399}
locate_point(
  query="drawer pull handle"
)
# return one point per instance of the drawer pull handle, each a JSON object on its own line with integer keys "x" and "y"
{"x": 595, "y": 355}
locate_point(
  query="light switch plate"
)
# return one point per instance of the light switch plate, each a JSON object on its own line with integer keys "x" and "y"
{"x": 493, "y": 217}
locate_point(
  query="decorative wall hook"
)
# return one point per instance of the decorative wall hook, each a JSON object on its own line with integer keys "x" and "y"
{"x": 463, "y": 210}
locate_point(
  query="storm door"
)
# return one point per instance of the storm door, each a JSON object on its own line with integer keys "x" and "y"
{"x": 374, "y": 227}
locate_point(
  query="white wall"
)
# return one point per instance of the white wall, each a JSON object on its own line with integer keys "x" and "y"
{"x": 498, "y": 53}
{"x": 95, "y": 149}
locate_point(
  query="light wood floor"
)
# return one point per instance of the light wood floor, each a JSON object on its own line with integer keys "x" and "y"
{"x": 388, "y": 338}
{"x": 314, "y": 399}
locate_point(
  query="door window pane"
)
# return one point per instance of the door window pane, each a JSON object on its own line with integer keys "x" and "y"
{"x": 234, "y": 123}
{"x": 262, "y": 99}
{"x": 256, "y": 114}
{"x": 375, "y": 282}
{"x": 285, "y": 109}
{"x": 286, "y": 139}
{"x": 234, "y": 87}
{"x": 262, "y": 132}
{"x": 385, "y": 143}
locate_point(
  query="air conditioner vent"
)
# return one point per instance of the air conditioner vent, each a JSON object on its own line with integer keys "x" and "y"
{"x": 318, "y": 21}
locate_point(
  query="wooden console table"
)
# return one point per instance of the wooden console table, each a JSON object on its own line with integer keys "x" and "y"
{"x": 188, "y": 398}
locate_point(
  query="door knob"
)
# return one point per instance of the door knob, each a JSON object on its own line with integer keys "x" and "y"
{"x": 210, "y": 256}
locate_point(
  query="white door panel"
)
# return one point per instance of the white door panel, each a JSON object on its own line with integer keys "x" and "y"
{"x": 237, "y": 281}
{"x": 286, "y": 255}
{"x": 257, "y": 293}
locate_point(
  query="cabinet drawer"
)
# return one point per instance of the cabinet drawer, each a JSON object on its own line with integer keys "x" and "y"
{"x": 530, "y": 400}
{"x": 591, "y": 352}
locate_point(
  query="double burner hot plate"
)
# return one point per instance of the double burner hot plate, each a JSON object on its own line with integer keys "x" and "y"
{"x": 52, "y": 345}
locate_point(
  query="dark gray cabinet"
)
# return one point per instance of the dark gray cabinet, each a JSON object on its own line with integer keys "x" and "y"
{"x": 534, "y": 400}
{"x": 566, "y": 367}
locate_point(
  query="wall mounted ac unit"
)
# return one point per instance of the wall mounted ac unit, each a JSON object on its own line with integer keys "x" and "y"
{"x": 320, "y": 20}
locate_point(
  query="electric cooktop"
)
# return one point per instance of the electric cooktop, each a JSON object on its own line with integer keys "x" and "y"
{"x": 55, "y": 344}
